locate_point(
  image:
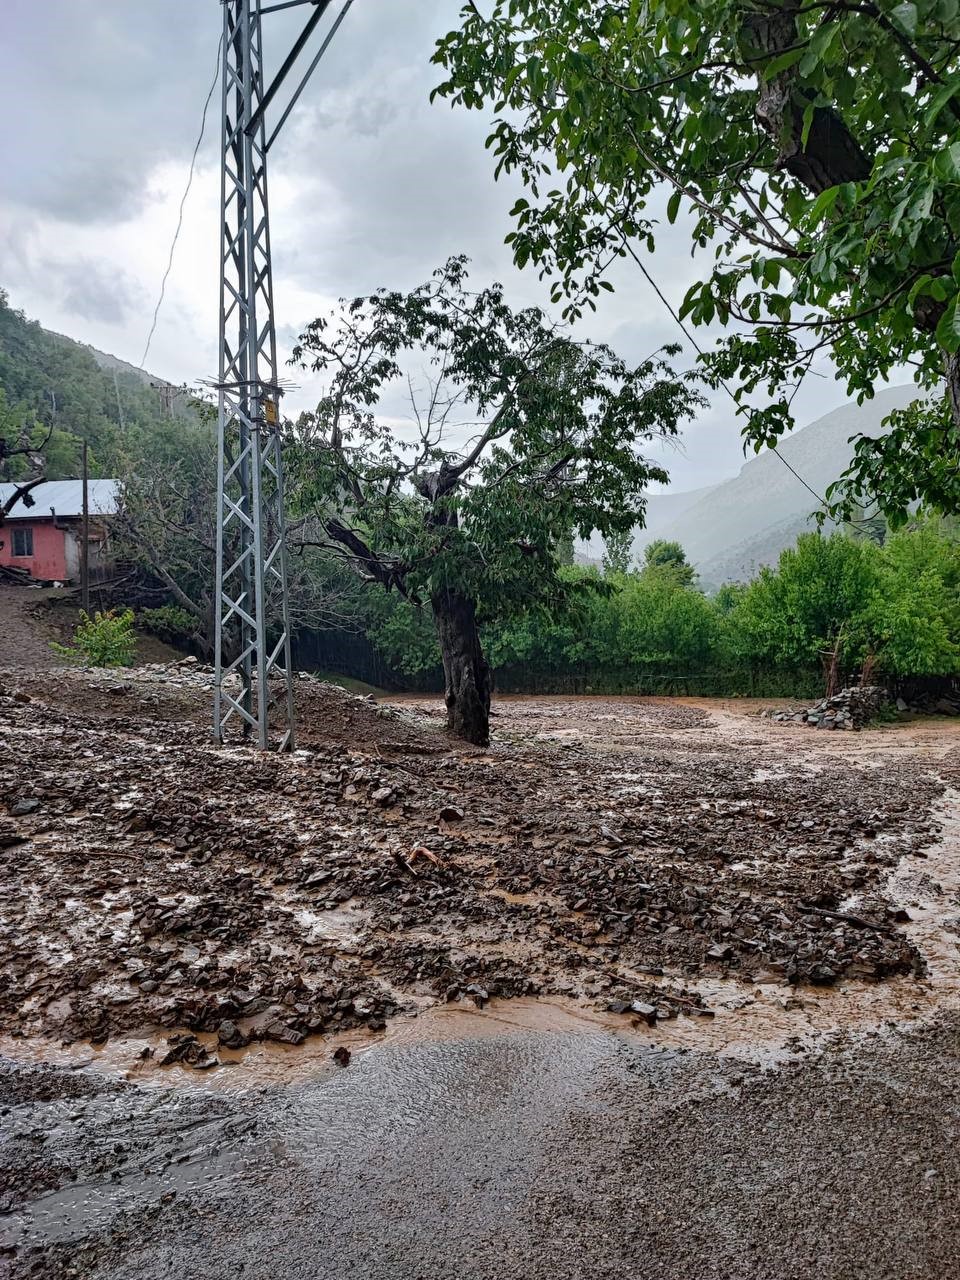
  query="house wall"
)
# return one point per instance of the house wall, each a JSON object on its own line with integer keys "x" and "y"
{"x": 71, "y": 549}
{"x": 49, "y": 557}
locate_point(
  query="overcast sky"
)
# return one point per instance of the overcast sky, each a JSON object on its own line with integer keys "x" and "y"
{"x": 370, "y": 185}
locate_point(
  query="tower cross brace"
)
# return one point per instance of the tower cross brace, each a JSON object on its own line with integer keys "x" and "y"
{"x": 253, "y": 677}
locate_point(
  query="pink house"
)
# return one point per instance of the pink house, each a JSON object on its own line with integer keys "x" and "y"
{"x": 44, "y": 536}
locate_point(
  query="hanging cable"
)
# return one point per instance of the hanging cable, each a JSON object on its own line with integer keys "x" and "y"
{"x": 696, "y": 346}
{"x": 183, "y": 201}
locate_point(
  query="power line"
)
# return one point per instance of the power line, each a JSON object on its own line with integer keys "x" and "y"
{"x": 183, "y": 201}
{"x": 696, "y": 346}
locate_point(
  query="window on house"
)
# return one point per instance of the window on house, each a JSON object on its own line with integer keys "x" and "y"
{"x": 23, "y": 542}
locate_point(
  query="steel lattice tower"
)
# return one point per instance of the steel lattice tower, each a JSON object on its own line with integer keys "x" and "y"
{"x": 252, "y": 615}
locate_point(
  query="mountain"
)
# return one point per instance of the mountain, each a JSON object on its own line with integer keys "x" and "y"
{"x": 48, "y": 382}
{"x": 731, "y": 529}
{"x": 663, "y": 511}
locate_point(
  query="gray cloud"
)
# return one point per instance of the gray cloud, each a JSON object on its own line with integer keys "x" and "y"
{"x": 98, "y": 291}
{"x": 101, "y": 90}
{"x": 385, "y": 185}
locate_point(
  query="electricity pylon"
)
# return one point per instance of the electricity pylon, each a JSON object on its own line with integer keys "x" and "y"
{"x": 252, "y": 611}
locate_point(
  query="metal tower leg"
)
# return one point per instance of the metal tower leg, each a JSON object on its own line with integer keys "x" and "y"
{"x": 252, "y": 620}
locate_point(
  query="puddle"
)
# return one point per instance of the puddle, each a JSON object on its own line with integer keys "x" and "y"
{"x": 761, "y": 1022}
{"x": 767, "y": 775}
{"x": 343, "y": 924}
{"x": 69, "y": 1213}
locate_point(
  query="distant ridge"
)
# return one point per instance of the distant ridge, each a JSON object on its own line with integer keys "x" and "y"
{"x": 733, "y": 528}
{"x": 113, "y": 364}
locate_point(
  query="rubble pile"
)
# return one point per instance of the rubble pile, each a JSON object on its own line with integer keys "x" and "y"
{"x": 932, "y": 704}
{"x": 851, "y": 708}
{"x": 149, "y": 879}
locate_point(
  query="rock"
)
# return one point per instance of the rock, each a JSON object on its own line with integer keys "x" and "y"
{"x": 185, "y": 1049}
{"x": 280, "y": 1032}
{"x": 851, "y": 708}
{"x": 450, "y": 813}
{"x": 645, "y": 1012}
{"x": 902, "y": 705}
{"x": 341, "y": 1056}
{"x": 27, "y": 805}
{"x": 230, "y": 1035}
{"x": 720, "y": 951}
{"x": 618, "y": 1006}
{"x": 382, "y": 795}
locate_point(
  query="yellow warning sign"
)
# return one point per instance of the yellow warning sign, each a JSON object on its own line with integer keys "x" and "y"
{"x": 270, "y": 412}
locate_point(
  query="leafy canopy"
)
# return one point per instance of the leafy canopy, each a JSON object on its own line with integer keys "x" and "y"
{"x": 811, "y": 147}
{"x": 664, "y": 556}
{"x": 520, "y": 436}
{"x": 816, "y": 598}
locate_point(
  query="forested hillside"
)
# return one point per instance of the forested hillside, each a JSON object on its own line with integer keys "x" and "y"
{"x": 51, "y": 385}
{"x": 858, "y": 596}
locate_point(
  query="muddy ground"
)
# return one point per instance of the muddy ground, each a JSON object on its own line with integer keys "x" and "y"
{"x": 709, "y": 897}
{"x": 148, "y": 879}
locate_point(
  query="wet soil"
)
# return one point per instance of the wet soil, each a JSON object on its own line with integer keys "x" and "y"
{"x": 616, "y": 851}
{"x": 522, "y": 1156}
{"x": 650, "y": 987}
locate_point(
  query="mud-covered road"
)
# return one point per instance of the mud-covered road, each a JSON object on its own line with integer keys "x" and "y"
{"x": 648, "y": 988}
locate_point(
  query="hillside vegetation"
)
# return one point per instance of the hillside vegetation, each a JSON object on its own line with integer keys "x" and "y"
{"x": 843, "y": 600}
{"x": 732, "y": 529}
{"x": 52, "y": 386}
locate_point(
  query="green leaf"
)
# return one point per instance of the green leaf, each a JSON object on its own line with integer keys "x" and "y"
{"x": 918, "y": 288}
{"x": 905, "y": 16}
{"x": 939, "y": 101}
{"x": 782, "y": 62}
{"x": 947, "y": 163}
{"x": 673, "y": 207}
{"x": 808, "y": 114}
{"x": 948, "y": 330}
{"x": 824, "y": 203}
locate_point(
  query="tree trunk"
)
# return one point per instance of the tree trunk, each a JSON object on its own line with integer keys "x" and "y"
{"x": 830, "y": 155}
{"x": 466, "y": 674}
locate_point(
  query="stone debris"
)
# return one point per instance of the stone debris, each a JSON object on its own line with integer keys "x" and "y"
{"x": 156, "y": 881}
{"x": 855, "y": 707}
{"x": 851, "y": 708}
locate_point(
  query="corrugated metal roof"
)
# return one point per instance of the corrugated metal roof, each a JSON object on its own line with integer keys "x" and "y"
{"x": 65, "y": 497}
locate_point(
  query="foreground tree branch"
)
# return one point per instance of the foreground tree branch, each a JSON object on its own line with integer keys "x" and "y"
{"x": 814, "y": 146}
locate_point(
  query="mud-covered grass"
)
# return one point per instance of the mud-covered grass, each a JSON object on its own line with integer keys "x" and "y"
{"x": 148, "y": 879}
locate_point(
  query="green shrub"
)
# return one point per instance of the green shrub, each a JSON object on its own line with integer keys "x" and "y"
{"x": 169, "y": 623}
{"x": 105, "y": 640}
